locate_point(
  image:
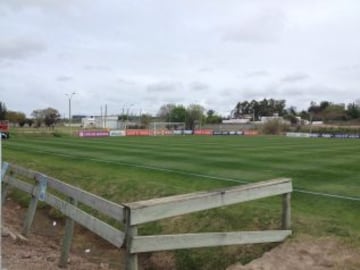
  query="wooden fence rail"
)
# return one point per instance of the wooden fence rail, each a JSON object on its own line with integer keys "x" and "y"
{"x": 39, "y": 189}
{"x": 134, "y": 214}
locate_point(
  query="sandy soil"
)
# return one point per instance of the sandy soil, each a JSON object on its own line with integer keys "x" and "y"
{"x": 305, "y": 253}
{"x": 42, "y": 250}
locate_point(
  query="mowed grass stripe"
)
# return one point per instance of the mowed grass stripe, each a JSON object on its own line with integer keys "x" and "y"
{"x": 325, "y": 175}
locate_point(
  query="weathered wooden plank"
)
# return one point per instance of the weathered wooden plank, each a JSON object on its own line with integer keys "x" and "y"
{"x": 4, "y": 190}
{"x": 67, "y": 239}
{"x": 142, "y": 244}
{"x": 151, "y": 210}
{"x": 106, "y": 207}
{"x": 30, "y": 214}
{"x": 286, "y": 212}
{"x": 109, "y": 233}
{"x": 4, "y": 168}
{"x": 26, "y": 187}
{"x": 131, "y": 259}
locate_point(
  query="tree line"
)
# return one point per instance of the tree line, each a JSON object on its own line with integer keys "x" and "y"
{"x": 196, "y": 115}
{"x": 324, "y": 111}
{"x": 49, "y": 116}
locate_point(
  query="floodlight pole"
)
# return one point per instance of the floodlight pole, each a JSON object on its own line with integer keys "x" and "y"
{"x": 70, "y": 97}
{"x": 127, "y": 115}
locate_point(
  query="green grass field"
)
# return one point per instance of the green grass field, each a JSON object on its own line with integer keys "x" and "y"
{"x": 127, "y": 169}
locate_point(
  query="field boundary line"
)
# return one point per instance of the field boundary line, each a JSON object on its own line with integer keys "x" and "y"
{"x": 337, "y": 196}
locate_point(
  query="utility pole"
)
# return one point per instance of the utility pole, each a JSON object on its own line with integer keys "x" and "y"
{"x": 70, "y": 97}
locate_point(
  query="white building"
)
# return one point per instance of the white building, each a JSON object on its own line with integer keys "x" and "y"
{"x": 108, "y": 122}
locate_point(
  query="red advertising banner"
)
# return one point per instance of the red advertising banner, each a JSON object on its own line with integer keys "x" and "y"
{"x": 251, "y": 132}
{"x": 161, "y": 132}
{"x": 93, "y": 133}
{"x": 203, "y": 132}
{"x": 137, "y": 132}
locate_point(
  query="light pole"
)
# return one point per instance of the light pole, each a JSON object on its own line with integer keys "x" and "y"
{"x": 127, "y": 115}
{"x": 70, "y": 97}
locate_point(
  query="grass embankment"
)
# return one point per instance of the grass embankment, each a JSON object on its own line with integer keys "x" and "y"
{"x": 132, "y": 168}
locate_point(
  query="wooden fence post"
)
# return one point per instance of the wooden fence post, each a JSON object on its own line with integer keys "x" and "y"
{"x": 67, "y": 240}
{"x": 131, "y": 260}
{"x": 286, "y": 211}
{"x": 4, "y": 186}
{"x": 30, "y": 213}
{"x": 4, "y": 189}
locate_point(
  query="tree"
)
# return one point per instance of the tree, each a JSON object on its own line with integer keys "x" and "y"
{"x": 334, "y": 112}
{"x": 16, "y": 117}
{"x": 145, "y": 120}
{"x": 178, "y": 114}
{"x": 2, "y": 111}
{"x": 315, "y": 112}
{"x": 212, "y": 118}
{"x": 353, "y": 110}
{"x": 165, "y": 112}
{"x": 48, "y": 116}
{"x": 256, "y": 109}
{"x": 194, "y": 114}
{"x": 29, "y": 122}
{"x": 327, "y": 111}
{"x": 291, "y": 115}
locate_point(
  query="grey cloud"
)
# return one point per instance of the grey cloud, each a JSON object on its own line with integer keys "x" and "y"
{"x": 227, "y": 92}
{"x": 125, "y": 81}
{"x": 97, "y": 68}
{"x": 313, "y": 90}
{"x": 295, "y": 77}
{"x": 64, "y": 78}
{"x": 198, "y": 86}
{"x": 21, "y": 4}
{"x": 206, "y": 69}
{"x": 265, "y": 28}
{"x": 165, "y": 87}
{"x": 250, "y": 94}
{"x": 20, "y": 48}
{"x": 349, "y": 68}
{"x": 257, "y": 73}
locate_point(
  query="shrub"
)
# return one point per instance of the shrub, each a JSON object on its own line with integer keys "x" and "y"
{"x": 274, "y": 127}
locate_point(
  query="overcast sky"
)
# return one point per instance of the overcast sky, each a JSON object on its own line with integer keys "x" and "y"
{"x": 148, "y": 53}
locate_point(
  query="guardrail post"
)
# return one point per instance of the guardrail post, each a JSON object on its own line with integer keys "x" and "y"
{"x": 5, "y": 186}
{"x": 286, "y": 211}
{"x": 39, "y": 193}
{"x": 30, "y": 212}
{"x": 131, "y": 259}
{"x": 67, "y": 240}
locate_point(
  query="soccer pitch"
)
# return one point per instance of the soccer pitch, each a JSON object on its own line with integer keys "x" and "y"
{"x": 325, "y": 174}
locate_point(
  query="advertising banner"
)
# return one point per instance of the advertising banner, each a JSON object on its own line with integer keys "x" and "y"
{"x": 114, "y": 133}
{"x": 93, "y": 133}
{"x": 203, "y": 132}
{"x": 298, "y": 134}
{"x": 137, "y": 132}
{"x": 188, "y": 132}
{"x": 178, "y": 132}
{"x": 251, "y": 133}
{"x": 161, "y": 132}
{"x": 325, "y": 135}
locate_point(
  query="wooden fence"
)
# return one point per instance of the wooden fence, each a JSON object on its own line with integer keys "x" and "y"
{"x": 134, "y": 214}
